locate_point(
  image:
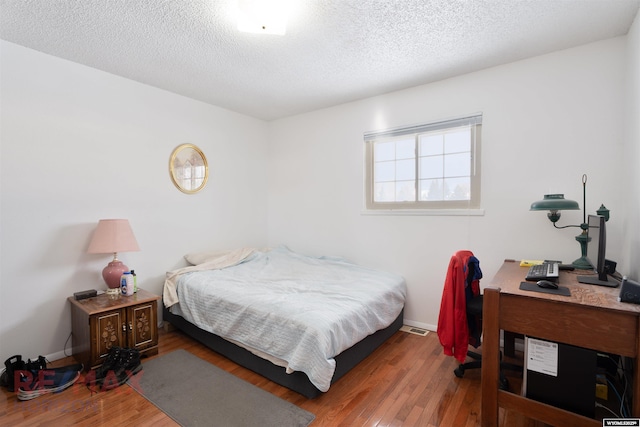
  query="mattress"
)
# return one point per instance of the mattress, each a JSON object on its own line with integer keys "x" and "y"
{"x": 296, "y": 310}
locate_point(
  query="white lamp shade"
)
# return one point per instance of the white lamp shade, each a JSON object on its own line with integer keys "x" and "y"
{"x": 112, "y": 236}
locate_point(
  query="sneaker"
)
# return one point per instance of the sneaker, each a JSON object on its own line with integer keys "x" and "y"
{"x": 96, "y": 376}
{"x": 129, "y": 362}
{"x": 47, "y": 381}
{"x": 110, "y": 363}
{"x": 12, "y": 365}
{"x": 36, "y": 365}
{"x": 17, "y": 369}
{"x": 128, "y": 366}
{"x": 120, "y": 365}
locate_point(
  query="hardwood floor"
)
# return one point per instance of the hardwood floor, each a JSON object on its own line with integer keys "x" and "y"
{"x": 406, "y": 382}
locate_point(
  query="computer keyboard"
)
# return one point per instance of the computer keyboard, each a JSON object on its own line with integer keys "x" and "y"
{"x": 547, "y": 270}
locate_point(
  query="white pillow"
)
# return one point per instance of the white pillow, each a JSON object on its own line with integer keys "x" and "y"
{"x": 196, "y": 258}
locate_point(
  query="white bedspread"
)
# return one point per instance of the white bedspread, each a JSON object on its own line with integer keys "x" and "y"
{"x": 301, "y": 309}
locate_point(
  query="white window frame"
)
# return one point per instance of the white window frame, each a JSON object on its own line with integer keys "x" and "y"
{"x": 371, "y": 138}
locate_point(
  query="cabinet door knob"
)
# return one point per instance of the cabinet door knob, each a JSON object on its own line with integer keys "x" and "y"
{"x": 124, "y": 327}
{"x": 130, "y": 326}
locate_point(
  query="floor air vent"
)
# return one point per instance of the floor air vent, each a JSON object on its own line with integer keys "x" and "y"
{"x": 414, "y": 330}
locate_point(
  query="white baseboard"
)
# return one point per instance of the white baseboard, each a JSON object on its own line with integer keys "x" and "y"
{"x": 50, "y": 357}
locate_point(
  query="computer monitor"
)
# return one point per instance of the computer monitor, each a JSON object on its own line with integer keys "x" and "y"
{"x": 596, "y": 252}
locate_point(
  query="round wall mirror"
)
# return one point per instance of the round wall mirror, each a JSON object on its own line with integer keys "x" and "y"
{"x": 188, "y": 168}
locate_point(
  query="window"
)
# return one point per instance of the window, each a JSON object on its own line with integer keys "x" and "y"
{"x": 430, "y": 166}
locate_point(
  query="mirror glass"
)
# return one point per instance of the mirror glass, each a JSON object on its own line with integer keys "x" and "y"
{"x": 188, "y": 168}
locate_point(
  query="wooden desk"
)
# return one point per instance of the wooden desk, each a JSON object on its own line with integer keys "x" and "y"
{"x": 591, "y": 317}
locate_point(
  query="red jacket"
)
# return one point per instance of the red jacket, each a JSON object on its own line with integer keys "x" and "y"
{"x": 453, "y": 329}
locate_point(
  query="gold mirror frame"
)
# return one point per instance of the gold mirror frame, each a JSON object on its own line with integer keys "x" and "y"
{"x": 188, "y": 168}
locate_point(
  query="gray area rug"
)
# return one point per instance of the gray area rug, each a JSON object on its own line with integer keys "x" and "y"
{"x": 196, "y": 393}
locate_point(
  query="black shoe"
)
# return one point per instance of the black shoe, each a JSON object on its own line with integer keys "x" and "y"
{"x": 37, "y": 365}
{"x": 128, "y": 366}
{"x": 12, "y": 365}
{"x": 110, "y": 363}
{"x": 18, "y": 369}
{"x": 130, "y": 361}
{"x": 121, "y": 364}
{"x": 95, "y": 377}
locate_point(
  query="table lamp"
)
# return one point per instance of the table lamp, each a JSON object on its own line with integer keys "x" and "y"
{"x": 113, "y": 236}
{"x": 555, "y": 203}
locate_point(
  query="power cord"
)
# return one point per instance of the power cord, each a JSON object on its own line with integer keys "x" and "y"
{"x": 600, "y": 405}
{"x": 622, "y": 376}
{"x": 625, "y": 410}
{"x": 64, "y": 349}
{"x": 620, "y": 398}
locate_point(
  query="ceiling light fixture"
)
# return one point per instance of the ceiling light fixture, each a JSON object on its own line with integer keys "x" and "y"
{"x": 263, "y": 16}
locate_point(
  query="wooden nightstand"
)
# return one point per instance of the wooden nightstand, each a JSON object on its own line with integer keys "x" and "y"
{"x": 102, "y": 322}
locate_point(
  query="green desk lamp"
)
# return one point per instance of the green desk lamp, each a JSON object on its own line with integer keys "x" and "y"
{"x": 554, "y": 203}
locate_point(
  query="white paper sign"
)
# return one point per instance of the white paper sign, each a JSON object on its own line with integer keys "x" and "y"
{"x": 542, "y": 356}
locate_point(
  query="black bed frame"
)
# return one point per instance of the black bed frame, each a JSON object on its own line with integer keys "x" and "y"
{"x": 296, "y": 381}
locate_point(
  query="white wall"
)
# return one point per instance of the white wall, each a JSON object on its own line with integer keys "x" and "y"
{"x": 630, "y": 170}
{"x": 547, "y": 120}
{"x": 79, "y": 145}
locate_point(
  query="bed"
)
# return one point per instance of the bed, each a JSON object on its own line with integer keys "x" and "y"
{"x": 300, "y": 321}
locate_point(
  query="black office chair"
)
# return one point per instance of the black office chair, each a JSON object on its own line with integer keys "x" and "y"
{"x": 474, "y": 314}
{"x": 462, "y": 291}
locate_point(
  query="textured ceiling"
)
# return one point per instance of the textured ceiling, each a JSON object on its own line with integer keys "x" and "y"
{"x": 334, "y": 51}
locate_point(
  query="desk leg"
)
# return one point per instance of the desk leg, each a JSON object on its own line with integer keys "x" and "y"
{"x": 510, "y": 343}
{"x": 490, "y": 357}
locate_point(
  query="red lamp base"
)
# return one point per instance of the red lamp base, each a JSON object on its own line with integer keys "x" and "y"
{"x": 111, "y": 275}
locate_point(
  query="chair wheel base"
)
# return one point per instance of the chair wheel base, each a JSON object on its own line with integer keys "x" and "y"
{"x": 459, "y": 371}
